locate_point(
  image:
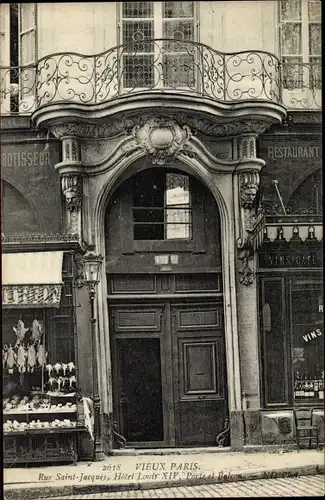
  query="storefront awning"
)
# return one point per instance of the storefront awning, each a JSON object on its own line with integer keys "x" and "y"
{"x": 274, "y": 229}
{"x": 32, "y": 279}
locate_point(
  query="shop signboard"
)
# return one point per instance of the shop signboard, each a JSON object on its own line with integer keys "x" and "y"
{"x": 291, "y": 258}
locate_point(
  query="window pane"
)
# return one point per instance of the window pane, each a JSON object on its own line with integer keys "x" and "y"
{"x": 291, "y": 39}
{"x": 137, "y": 9}
{"x": 148, "y": 189}
{"x": 149, "y": 231}
{"x": 308, "y": 345}
{"x": 290, "y": 10}
{"x": 178, "y": 9}
{"x": 138, "y": 71}
{"x": 178, "y": 224}
{"x": 136, "y": 31}
{"x": 177, "y": 189}
{"x": 178, "y": 71}
{"x": 314, "y": 11}
{"x": 178, "y": 30}
{"x": 315, "y": 41}
{"x": 315, "y": 76}
{"x": 292, "y": 69}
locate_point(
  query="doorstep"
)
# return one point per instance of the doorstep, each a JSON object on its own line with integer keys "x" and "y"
{"x": 199, "y": 450}
{"x": 121, "y": 473}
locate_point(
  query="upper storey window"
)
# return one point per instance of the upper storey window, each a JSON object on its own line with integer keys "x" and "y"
{"x": 18, "y": 50}
{"x": 300, "y": 43}
{"x": 157, "y": 63}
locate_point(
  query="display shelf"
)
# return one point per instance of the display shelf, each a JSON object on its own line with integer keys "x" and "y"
{"x": 43, "y": 444}
{"x": 45, "y": 430}
{"x": 40, "y": 412}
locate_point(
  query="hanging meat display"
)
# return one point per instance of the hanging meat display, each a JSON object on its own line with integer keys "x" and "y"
{"x": 20, "y": 331}
{"x": 36, "y": 331}
{"x": 21, "y": 359}
{"x": 31, "y": 358}
{"x": 11, "y": 359}
{"x": 4, "y": 355}
{"x": 41, "y": 355}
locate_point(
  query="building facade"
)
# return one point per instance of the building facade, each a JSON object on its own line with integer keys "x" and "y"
{"x": 179, "y": 153}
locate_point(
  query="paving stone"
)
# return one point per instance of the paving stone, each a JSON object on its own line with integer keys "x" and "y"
{"x": 283, "y": 487}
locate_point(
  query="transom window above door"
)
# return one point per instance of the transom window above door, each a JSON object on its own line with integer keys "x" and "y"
{"x": 162, "y": 207}
{"x": 160, "y": 62}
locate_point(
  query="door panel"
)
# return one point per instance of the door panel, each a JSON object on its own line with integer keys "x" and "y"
{"x": 168, "y": 369}
{"x": 198, "y": 367}
{"x": 141, "y": 403}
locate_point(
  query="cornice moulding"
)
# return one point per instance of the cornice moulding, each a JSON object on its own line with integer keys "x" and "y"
{"x": 99, "y": 120}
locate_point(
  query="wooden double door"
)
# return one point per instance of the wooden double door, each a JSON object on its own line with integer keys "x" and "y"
{"x": 169, "y": 377}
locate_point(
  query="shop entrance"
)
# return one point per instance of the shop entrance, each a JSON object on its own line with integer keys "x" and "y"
{"x": 169, "y": 372}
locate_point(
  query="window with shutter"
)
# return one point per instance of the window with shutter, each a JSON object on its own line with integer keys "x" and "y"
{"x": 159, "y": 63}
{"x": 27, "y": 56}
{"x": 5, "y": 56}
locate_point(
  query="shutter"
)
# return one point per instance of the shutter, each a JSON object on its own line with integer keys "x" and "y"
{"x": 27, "y": 33}
{"x": 27, "y": 56}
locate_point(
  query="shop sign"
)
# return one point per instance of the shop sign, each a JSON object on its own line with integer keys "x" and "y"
{"x": 282, "y": 259}
{"x": 306, "y": 152}
{"x": 25, "y": 155}
{"x": 312, "y": 335}
{"x": 12, "y": 122}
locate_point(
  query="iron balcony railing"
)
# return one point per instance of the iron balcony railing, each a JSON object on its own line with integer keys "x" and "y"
{"x": 159, "y": 65}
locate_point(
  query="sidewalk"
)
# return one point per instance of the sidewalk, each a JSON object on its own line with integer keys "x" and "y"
{"x": 117, "y": 473}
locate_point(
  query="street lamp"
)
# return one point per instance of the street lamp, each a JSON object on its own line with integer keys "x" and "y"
{"x": 92, "y": 269}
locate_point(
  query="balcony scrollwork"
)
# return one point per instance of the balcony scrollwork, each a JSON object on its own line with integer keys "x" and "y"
{"x": 157, "y": 65}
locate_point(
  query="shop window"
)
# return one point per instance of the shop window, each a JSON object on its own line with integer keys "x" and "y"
{"x": 161, "y": 63}
{"x": 30, "y": 332}
{"x": 308, "y": 197}
{"x": 292, "y": 341}
{"x": 274, "y": 344}
{"x": 161, "y": 206}
{"x": 307, "y": 332}
{"x": 300, "y": 43}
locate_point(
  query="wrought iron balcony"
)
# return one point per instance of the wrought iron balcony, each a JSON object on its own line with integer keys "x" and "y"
{"x": 160, "y": 65}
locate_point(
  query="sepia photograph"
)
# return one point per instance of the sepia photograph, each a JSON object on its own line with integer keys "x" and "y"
{"x": 162, "y": 249}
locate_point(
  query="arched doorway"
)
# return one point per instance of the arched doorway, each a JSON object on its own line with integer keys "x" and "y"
{"x": 165, "y": 302}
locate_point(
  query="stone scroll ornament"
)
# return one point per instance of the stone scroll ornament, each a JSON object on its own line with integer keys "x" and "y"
{"x": 248, "y": 189}
{"x": 161, "y": 138}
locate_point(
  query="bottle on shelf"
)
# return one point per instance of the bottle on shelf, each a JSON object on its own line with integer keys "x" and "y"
{"x": 305, "y": 388}
{"x": 321, "y": 389}
{"x": 311, "y": 389}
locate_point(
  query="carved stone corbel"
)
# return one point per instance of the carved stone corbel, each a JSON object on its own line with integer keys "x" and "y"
{"x": 72, "y": 197}
{"x": 246, "y": 273}
{"x": 248, "y": 189}
{"x": 72, "y": 193}
{"x": 249, "y": 184}
{"x": 80, "y": 275}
